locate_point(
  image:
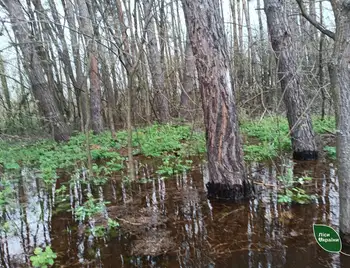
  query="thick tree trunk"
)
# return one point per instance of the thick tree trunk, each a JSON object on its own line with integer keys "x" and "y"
{"x": 342, "y": 51}
{"x": 40, "y": 86}
{"x": 225, "y": 159}
{"x": 302, "y": 135}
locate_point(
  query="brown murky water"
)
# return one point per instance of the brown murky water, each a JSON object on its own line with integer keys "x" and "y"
{"x": 170, "y": 223}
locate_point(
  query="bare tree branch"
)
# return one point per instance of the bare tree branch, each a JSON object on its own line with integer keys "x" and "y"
{"x": 318, "y": 25}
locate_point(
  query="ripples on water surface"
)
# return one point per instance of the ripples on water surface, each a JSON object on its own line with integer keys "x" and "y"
{"x": 170, "y": 223}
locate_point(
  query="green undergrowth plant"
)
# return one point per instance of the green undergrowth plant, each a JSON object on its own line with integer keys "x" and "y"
{"x": 90, "y": 208}
{"x": 290, "y": 192}
{"x": 61, "y": 199}
{"x": 327, "y": 125}
{"x": 172, "y": 144}
{"x": 331, "y": 152}
{"x": 157, "y": 139}
{"x": 102, "y": 230}
{"x": 50, "y": 157}
{"x": 43, "y": 258}
{"x": 267, "y": 138}
{"x": 173, "y": 165}
{"x": 6, "y": 192}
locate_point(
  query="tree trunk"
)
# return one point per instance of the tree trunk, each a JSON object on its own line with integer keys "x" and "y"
{"x": 240, "y": 72}
{"x": 95, "y": 88}
{"x": 342, "y": 52}
{"x": 157, "y": 72}
{"x": 320, "y": 64}
{"x": 188, "y": 84}
{"x": 251, "y": 47}
{"x": 95, "y": 95}
{"x": 40, "y": 85}
{"x": 109, "y": 88}
{"x": 5, "y": 88}
{"x": 227, "y": 178}
{"x": 302, "y": 135}
{"x": 80, "y": 86}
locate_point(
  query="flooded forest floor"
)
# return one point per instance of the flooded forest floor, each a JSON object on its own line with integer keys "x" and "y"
{"x": 163, "y": 218}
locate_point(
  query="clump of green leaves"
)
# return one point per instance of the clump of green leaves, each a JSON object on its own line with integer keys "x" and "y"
{"x": 259, "y": 152}
{"x": 90, "y": 208}
{"x": 271, "y": 137}
{"x": 158, "y": 139}
{"x": 43, "y": 258}
{"x": 61, "y": 199}
{"x": 323, "y": 126}
{"x": 296, "y": 195}
{"x": 173, "y": 165}
{"x": 331, "y": 152}
{"x": 50, "y": 157}
{"x": 101, "y": 230}
{"x": 290, "y": 193}
{"x": 6, "y": 192}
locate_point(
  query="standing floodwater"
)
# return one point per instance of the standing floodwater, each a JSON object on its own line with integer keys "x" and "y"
{"x": 170, "y": 223}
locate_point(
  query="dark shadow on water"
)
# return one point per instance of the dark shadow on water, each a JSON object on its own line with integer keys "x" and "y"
{"x": 171, "y": 223}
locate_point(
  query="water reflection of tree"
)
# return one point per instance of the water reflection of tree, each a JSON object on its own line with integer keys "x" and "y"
{"x": 27, "y": 213}
{"x": 193, "y": 250}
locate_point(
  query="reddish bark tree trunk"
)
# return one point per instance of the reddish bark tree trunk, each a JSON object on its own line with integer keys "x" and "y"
{"x": 227, "y": 178}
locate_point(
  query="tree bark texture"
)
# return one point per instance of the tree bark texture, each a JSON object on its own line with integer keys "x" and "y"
{"x": 225, "y": 159}
{"x": 342, "y": 53}
{"x": 40, "y": 86}
{"x": 86, "y": 26}
{"x": 300, "y": 125}
{"x": 189, "y": 85}
{"x": 156, "y": 68}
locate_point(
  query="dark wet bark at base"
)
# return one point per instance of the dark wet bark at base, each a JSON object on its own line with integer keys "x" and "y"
{"x": 225, "y": 155}
{"x": 305, "y": 155}
{"x": 230, "y": 193}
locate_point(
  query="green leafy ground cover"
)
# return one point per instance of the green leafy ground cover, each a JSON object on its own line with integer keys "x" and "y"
{"x": 272, "y": 138}
{"x": 174, "y": 144}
